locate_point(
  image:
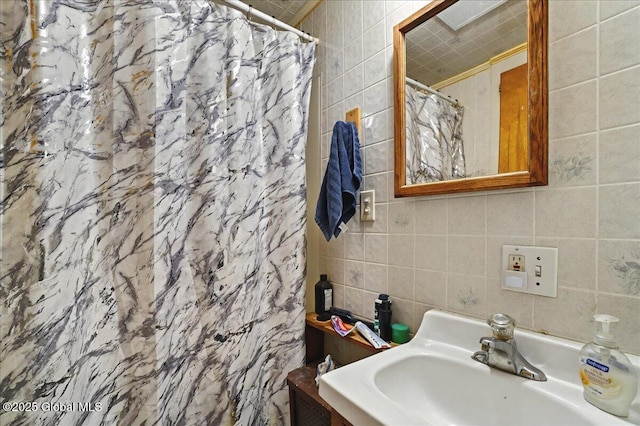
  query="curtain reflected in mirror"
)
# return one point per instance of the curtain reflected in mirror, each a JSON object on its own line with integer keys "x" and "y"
{"x": 435, "y": 148}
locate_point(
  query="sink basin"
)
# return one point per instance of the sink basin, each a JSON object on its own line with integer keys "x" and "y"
{"x": 433, "y": 380}
{"x": 489, "y": 396}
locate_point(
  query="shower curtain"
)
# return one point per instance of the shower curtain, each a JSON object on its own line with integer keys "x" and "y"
{"x": 153, "y": 213}
{"x": 433, "y": 133}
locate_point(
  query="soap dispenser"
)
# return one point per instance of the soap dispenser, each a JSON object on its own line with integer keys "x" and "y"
{"x": 608, "y": 377}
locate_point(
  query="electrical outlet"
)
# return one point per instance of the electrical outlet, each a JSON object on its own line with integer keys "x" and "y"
{"x": 516, "y": 262}
{"x": 541, "y": 274}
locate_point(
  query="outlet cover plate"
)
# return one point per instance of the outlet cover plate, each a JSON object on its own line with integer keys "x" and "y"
{"x": 543, "y": 259}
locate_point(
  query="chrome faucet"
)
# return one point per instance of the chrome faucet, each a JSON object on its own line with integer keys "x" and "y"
{"x": 501, "y": 352}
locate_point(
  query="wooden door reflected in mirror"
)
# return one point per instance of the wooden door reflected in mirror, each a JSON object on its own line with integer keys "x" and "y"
{"x": 452, "y": 65}
{"x": 513, "y": 145}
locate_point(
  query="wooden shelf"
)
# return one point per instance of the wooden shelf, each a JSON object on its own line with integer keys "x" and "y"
{"x": 326, "y": 328}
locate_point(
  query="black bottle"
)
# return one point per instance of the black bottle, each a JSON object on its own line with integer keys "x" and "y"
{"x": 324, "y": 295}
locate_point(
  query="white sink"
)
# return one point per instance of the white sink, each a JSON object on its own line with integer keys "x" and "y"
{"x": 433, "y": 380}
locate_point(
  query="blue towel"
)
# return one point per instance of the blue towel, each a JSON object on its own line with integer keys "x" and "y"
{"x": 337, "y": 201}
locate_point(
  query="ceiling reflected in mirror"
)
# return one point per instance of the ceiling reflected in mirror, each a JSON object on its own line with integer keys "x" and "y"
{"x": 436, "y": 52}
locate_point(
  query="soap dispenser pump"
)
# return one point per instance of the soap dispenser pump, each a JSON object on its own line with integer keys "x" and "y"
{"x": 608, "y": 377}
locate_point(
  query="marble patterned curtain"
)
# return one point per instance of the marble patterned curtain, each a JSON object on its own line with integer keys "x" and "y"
{"x": 153, "y": 213}
{"x": 434, "y": 145}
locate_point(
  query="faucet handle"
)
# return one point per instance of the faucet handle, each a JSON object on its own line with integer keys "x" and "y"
{"x": 488, "y": 344}
{"x": 502, "y": 325}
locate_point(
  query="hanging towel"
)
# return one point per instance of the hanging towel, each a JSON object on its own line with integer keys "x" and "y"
{"x": 337, "y": 201}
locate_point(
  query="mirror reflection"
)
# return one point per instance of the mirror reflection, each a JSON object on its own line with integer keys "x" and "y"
{"x": 466, "y": 92}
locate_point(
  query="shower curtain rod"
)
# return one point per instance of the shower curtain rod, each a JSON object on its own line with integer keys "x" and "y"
{"x": 255, "y": 12}
{"x": 430, "y": 90}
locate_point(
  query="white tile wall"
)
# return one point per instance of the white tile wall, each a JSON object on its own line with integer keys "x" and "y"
{"x": 444, "y": 251}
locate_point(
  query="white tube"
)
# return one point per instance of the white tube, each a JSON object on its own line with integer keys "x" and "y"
{"x": 255, "y": 12}
{"x": 371, "y": 337}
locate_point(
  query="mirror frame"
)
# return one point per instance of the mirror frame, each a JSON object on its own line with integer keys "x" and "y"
{"x": 537, "y": 17}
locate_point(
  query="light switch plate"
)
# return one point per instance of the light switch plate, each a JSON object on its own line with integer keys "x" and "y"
{"x": 367, "y": 206}
{"x": 540, "y": 268}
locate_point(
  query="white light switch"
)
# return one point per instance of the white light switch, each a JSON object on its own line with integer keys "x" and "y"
{"x": 539, "y": 275}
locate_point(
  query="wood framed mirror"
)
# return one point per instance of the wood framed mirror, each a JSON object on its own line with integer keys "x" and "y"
{"x": 528, "y": 165}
